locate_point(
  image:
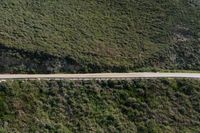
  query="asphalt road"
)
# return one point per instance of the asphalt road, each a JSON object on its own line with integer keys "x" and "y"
{"x": 98, "y": 76}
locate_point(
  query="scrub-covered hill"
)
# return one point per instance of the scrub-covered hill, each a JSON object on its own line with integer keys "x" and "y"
{"x": 143, "y": 106}
{"x": 99, "y": 35}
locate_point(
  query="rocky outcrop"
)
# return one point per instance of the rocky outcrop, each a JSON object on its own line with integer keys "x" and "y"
{"x": 19, "y": 61}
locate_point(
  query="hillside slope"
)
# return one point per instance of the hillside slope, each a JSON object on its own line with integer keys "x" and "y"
{"x": 143, "y": 106}
{"x": 99, "y": 35}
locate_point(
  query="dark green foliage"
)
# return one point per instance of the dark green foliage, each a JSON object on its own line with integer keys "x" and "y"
{"x": 146, "y": 106}
{"x": 99, "y": 35}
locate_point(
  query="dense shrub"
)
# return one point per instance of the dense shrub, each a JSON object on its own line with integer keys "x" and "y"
{"x": 99, "y": 36}
{"x": 146, "y": 106}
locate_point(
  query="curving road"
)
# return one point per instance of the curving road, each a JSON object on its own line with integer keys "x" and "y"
{"x": 97, "y": 76}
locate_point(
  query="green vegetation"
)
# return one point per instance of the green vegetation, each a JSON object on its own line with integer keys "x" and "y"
{"x": 146, "y": 106}
{"x": 99, "y": 35}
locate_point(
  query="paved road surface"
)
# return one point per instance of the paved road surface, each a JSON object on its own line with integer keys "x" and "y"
{"x": 98, "y": 76}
